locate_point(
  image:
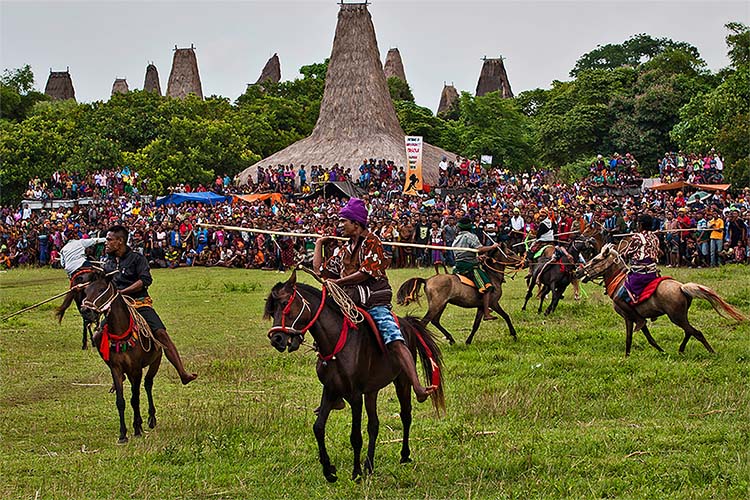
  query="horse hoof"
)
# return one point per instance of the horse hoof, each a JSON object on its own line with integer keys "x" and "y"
{"x": 357, "y": 477}
{"x": 406, "y": 460}
{"x": 151, "y": 422}
{"x": 122, "y": 440}
{"x": 332, "y": 478}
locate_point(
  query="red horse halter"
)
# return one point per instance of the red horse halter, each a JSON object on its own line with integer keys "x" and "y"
{"x": 292, "y": 330}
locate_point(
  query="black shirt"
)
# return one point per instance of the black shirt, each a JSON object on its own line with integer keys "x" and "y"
{"x": 133, "y": 267}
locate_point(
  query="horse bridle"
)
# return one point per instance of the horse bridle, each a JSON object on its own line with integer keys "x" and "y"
{"x": 101, "y": 303}
{"x": 292, "y": 329}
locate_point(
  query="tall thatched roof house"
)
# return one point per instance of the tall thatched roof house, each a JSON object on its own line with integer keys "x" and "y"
{"x": 271, "y": 71}
{"x": 184, "y": 78}
{"x": 394, "y": 66}
{"x": 120, "y": 86}
{"x": 60, "y": 85}
{"x": 151, "y": 83}
{"x": 493, "y": 78}
{"x": 448, "y": 99}
{"x": 357, "y": 119}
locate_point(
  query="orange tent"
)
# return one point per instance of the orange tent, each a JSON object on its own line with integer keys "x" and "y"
{"x": 682, "y": 185}
{"x": 274, "y": 197}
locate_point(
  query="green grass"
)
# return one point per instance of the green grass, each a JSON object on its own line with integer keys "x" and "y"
{"x": 558, "y": 414}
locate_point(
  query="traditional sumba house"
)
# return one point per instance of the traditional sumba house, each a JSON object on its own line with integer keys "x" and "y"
{"x": 184, "y": 78}
{"x": 357, "y": 119}
{"x": 60, "y": 85}
{"x": 151, "y": 83}
{"x": 271, "y": 71}
{"x": 394, "y": 66}
{"x": 120, "y": 86}
{"x": 493, "y": 78}
{"x": 448, "y": 99}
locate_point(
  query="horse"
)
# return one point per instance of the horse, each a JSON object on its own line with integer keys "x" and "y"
{"x": 556, "y": 276}
{"x": 670, "y": 297}
{"x": 125, "y": 344}
{"x": 353, "y": 367}
{"x": 90, "y": 318}
{"x": 444, "y": 289}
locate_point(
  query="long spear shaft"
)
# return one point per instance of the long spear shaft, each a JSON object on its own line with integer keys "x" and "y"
{"x": 314, "y": 235}
{"x": 36, "y": 305}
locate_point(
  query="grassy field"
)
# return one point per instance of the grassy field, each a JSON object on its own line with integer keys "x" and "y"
{"x": 558, "y": 414}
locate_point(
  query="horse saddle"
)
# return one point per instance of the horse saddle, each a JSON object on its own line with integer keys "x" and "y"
{"x": 466, "y": 281}
{"x": 541, "y": 251}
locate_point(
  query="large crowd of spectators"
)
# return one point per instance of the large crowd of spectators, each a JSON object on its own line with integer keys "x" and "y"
{"x": 693, "y": 168}
{"x": 505, "y": 206}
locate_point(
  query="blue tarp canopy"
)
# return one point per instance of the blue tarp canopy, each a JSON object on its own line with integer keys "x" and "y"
{"x": 207, "y": 198}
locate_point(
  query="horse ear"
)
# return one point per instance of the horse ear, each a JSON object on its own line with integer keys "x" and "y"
{"x": 292, "y": 281}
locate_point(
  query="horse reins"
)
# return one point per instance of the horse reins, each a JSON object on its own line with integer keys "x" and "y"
{"x": 287, "y": 309}
{"x": 104, "y": 307}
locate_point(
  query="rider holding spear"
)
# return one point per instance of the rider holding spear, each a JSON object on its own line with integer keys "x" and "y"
{"x": 359, "y": 268}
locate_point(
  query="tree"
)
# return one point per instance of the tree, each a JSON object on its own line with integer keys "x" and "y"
{"x": 738, "y": 43}
{"x": 632, "y": 52}
{"x": 399, "y": 90}
{"x": 17, "y": 94}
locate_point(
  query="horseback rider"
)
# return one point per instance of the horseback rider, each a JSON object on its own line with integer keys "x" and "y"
{"x": 360, "y": 269}
{"x": 643, "y": 254}
{"x": 467, "y": 263}
{"x": 133, "y": 280}
{"x": 74, "y": 256}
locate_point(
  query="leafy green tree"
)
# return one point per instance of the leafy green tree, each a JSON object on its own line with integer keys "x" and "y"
{"x": 17, "y": 94}
{"x": 399, "y": 90}
{"x": 738, "y": 42}
{"x": 417, "y": 120}
{"x": 632, "y": 52}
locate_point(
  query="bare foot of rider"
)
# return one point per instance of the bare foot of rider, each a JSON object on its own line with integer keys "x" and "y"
{"x": 188, "y": 377}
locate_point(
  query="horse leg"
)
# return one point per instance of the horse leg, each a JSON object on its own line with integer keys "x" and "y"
{"x": 498, "y": 309}
{"x": 84, "y": 345}
{"x": 355, "y": 437}
{"x": 557, "y": 293}
{"x": 650, "y": 339}
{"x": 373, "y": 426}
{"x": 529, "y": 292}
{"x": 148, "y": 384}
{"x": 628, "y": 336}
{"x": 403, "y": 392}
{"x": 319, "y": 428}
{"x": 435, "y": 310}
{"x": 475, "y": 326}
{"x": 120, "y": 401}
{"x": 545, "y": 291}
{"x": 135, "y": 401}
{"x": 680, "y": 319}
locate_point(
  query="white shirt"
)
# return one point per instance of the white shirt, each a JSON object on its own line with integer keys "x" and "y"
{"x": 517, "y": 223}
{"x": 73, "y": 254}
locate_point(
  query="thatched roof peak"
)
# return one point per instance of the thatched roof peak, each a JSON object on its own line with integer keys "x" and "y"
{"x": 394, "y": 66}
{"x": 120, "y": 86}
{"x": 59, "y": 85}
{"x": 271, "y": 71}
{"x": 151, "y": 82}
{"x": 357, "y": 119}
{"x": 493, "y": 78}
{"x": 448, "y": 99}
{"x": 184, "y": 78}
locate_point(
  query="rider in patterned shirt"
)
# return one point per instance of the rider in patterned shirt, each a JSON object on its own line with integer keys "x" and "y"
{"x": 359, "y": 268}
{"x": 643, "y": 253}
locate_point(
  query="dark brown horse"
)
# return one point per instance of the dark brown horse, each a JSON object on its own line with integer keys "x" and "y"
{"x": 555, "y": 276}
{"x": 90, "y": 318}
{"x": 350, "y": 366}
{"x": 444, "y": 289}
{"x": 125, "y": 344}
{"x": 671, "y": 298}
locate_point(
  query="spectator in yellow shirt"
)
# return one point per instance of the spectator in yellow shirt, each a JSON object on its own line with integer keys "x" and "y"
{"x": 716, "y": 223}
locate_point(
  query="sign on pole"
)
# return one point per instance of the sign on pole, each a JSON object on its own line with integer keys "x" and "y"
{"x": 414, "y": 164}
{"x": 486, "y": 160}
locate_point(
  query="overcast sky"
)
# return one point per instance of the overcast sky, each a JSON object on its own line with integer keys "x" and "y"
{"x": 439, "y": 40}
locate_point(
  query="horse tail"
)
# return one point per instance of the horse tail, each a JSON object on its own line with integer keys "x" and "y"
{"x": 431, "y": 358}
{"x": 60, "y": 311}
{"x": 409, "y": 291}
{"x": 724, "y": 309}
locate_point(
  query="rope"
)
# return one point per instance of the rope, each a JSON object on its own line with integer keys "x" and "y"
{"x": 347, "y": 305}
{"x": 141, "y": 324}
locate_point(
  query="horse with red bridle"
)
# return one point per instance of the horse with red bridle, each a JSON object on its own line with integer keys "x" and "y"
{"x": 351, "y": 365}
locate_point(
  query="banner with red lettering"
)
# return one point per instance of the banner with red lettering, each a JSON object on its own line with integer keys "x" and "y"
{"x": 413, "y": 164}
